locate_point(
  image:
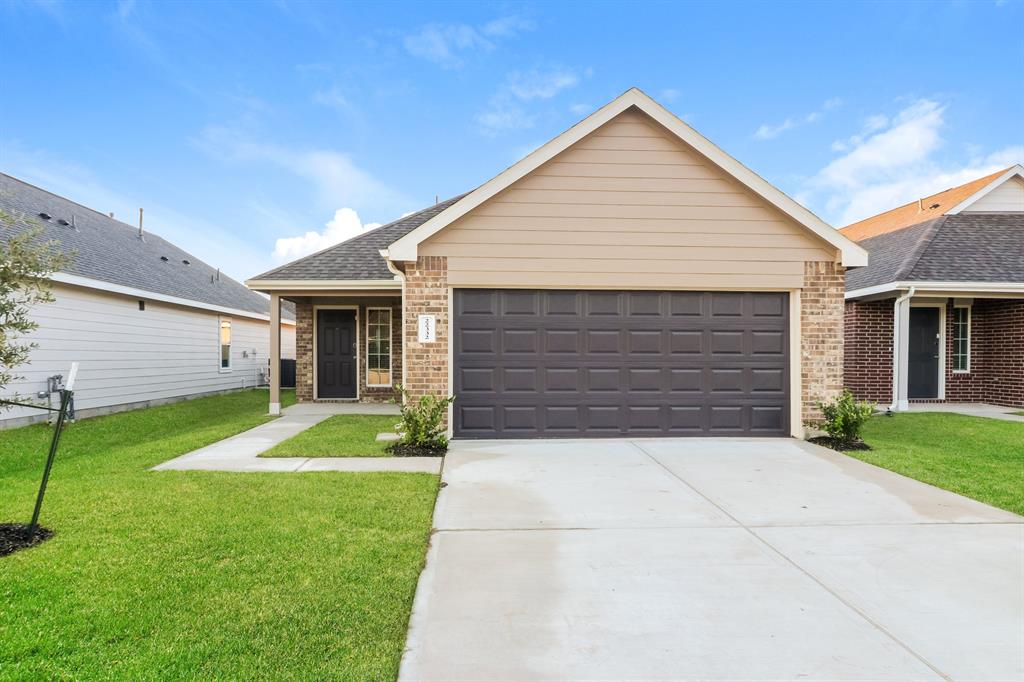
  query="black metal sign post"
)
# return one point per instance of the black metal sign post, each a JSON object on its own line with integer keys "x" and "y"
{"x": 66, "y": 394}
{"x": 65, "y": 400}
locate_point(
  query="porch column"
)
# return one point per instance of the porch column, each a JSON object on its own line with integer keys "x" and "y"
{"x": 275, "y": 354}
{"x": 901, "y": 352}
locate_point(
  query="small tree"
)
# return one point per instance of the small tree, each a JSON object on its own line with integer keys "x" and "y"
{"x": 422, "y": 424}
{"x": 845, "y": 417}
{"x": 26, "y": 264}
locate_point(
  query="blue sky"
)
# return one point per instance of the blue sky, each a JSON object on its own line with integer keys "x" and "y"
{"x": 241, "y": 127}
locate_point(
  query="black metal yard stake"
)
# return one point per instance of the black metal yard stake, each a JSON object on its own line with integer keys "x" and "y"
{"x": 65, "y": 399}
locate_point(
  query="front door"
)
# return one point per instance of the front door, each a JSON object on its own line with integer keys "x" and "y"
{"x": 336, "y": 354}
{"x": 923, "y": 374}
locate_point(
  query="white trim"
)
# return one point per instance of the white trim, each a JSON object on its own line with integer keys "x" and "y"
{"x": 1016, "y": 171}
{"x": 970, "y": 314}
{"x": 391, "y": 344}
{"x": 405, "y": 249}
{"x": 89, "y": 283}
{"x": 221, "y": 319}
{"x": 941, "y": 305}
{"x": 316, "y": 322}
{"x": 964, "y": 287}
{"x": 317, "y": 284}
{"x": 400, "y": 276}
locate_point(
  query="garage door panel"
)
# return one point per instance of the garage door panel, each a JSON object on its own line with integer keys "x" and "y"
{"x": 583, "y": 363}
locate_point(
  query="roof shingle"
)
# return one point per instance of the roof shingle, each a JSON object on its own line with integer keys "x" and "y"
{"x": 110, "y": 251}
{"x": 357, "y": 258}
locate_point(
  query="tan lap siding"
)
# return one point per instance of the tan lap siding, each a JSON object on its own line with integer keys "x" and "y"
{"x": 628, "y": 206}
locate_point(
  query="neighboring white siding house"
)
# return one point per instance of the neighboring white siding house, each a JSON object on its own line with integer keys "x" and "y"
{"x": 137, "y": 347}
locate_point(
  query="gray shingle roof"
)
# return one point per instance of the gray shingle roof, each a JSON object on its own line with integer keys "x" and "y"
{"x": 111, "y": 251}
{"x": 357, "y": 258}
{"x": 957, "y": 248}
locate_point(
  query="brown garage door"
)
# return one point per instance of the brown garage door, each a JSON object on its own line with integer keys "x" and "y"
{"x": 564, "y": 364}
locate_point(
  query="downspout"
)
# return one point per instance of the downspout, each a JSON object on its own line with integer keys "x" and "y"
{"x": 897, "y": 343}
{"x": 400, "y": 276}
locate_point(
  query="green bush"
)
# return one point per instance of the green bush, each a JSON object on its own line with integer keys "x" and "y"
{"x": 845, "y": 416}
{"x": 422, "y": 424}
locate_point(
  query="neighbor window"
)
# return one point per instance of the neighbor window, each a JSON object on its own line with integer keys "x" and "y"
{"x": 225, "y": 345}
{"x": 961, "y": 339}
{"x": 378, "y": 347}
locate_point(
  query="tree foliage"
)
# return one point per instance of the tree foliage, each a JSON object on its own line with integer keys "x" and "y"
{"x": 26, "y": 264}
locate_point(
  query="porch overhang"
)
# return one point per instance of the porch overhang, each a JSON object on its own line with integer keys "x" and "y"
{"x": 940, "y": 290}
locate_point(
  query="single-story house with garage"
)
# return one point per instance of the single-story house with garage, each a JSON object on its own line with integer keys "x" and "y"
{"x": 628, "y": 278}
{"x": 146, "y": 321}
{"x": 938, "y": 315}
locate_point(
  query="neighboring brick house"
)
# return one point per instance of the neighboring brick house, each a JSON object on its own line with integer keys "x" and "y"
{"x": 946, "y": 280}
{"x": 627, "y": 278}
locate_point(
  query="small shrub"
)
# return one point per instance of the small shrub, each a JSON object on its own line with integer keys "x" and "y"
{"x": 422, "y": 424}
{"x": 845, "y": 417}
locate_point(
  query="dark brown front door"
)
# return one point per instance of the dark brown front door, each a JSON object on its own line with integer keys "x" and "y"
{"x": 533, "y": 364}
{"x": 336, "y": 354}
{"x": 923, "y": 371}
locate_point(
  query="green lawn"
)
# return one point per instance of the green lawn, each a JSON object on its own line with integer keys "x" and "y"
{"x": 344, "y": 435}
{"x": 977, "y": 457}
{"x": 203, "y": 575}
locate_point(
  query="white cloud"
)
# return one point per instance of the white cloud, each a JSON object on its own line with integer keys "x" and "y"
{"x": 505, "y": 110}
{"x": 448, "y": 44}
{"x": 581, "y": 109}
{"x": 336, "y": 177}
{"x": 334, "y": 99}
{"x": 767, "y": 131}
{"x": 670, "y": 95}
{"x": 343, "y": 226}
{"x": 891, "y": 161}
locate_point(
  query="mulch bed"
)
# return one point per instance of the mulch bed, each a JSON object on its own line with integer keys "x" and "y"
{"x": 14, "y": 536}
{"x": 404, "y": 450}
{"x": 835, "y": 444}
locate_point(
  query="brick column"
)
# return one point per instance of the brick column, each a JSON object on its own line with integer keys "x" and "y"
{"x": 426, "y": 293}
{"x": 304, "y": 351}
{"x": 821, "y": 328}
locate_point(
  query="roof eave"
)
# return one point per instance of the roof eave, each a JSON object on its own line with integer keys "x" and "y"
{"x": 320, "y": 284}
{"x": 926, "y": 286}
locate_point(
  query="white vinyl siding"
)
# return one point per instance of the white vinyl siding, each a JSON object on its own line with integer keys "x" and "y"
{"x": 127, "y": 355}
{"x": 1006, "y": 198}
{"x": 962, "y": 339}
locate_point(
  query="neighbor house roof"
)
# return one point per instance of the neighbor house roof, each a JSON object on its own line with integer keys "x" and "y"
{"x": 112, "y": 256}
{"x": 356, "y": 259}
{"x": 968, "y": 247}
{"x": 920, "y": 211}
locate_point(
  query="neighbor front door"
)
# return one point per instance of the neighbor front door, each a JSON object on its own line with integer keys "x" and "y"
{"x": 336, "y": 354}
{"x": 923, "y": 372}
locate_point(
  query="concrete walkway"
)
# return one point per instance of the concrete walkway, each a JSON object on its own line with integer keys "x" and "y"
{"x": 971, "y": 410}
{"x": 709, "y": 559}
{"x": 241, "y": 452}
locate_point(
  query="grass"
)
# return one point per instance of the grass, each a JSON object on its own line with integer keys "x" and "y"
{"x": 343, "y": 435}
{"x": 203, "y": 575}
{"x": 976, "y": 457}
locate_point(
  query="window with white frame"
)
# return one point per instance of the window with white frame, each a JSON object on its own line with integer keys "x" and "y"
{"x": 378, "y": 346}
{"x": 225, "y": 344}
{"x": 962, "y": 339}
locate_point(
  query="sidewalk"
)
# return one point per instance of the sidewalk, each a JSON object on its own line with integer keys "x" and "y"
{"x": 971, "y": 410}
{"x": 241, "y": 452}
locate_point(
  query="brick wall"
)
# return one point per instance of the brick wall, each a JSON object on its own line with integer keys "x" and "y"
{"x": 426, "y": 293}
{"x": 821, "y": 328}
{"x": 304, "y": 359}
{"x": 868, "y": 353}
{"x": 997, "y": 354}
{"x": 304, "y": 350}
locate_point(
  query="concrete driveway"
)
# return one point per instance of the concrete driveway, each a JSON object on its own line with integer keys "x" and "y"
{"x": 711, "y": 559}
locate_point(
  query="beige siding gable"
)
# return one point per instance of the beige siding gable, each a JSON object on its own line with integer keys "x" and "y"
{"x": 628, "y": 205}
